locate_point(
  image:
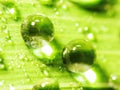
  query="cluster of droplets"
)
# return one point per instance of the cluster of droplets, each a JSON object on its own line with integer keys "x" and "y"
{"x": 87, "y": 32}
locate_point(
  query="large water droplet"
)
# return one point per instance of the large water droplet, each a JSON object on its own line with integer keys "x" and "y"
{"x": 78, "y": 52}
{"x": 37, "y": 32}
{"x": 37, "y": 25}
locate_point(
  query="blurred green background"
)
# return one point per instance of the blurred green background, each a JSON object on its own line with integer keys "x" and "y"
{"x": 70, "y": 22}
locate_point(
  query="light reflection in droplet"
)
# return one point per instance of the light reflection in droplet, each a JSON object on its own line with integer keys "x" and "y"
{"x": 90, "y": 75}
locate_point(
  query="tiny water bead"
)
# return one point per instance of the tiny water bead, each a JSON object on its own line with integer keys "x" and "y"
{"x": 37, "y": 32}
{"x": 11, "y": 10}
{"x": 47, "y": 84}
{"x": 37, "y": 25}
{"x": 78, "y": 51}
{"x": 2, "y": 64}
{"x": 89, "y": 34}
{"x": 96, "y": 5}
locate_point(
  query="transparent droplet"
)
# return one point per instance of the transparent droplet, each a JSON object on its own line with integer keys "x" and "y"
{"x": 2, "y": 64}
{"x": 91, "y": 37}
{"x": 115, "y": 80}
{"x": 4, "y": 27}
{"x": 65, "y": 7}
{"x": 45, "y": 72}
{"x": 47, "y": 83}
{"x": 11, "y": 10}
{"x": 78, "y": 52}
{"x": 37, "y": 32}
{"x": 93, "y": 78}
{"x": 4, "y": 19}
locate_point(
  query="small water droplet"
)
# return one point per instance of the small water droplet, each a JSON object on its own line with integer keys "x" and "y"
{"x": 45, "y": 72}
{"x": 47, "y": 83}
{"x": 4, "y": 19}
{"x": 4, "y": 27}
{"x": 89, "y": 34}
{"x": 77, "y": 25}
{"x": 91, "y": 37}
{"x": 64, "y": 6}
{"x": 78, "y": 52}
{"x": 11, "y": 10}
{"x": 2, "y": 64}
{"x": 115, "y": 80}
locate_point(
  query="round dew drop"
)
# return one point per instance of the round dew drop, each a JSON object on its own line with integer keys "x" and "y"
{"x": 78, "y": 54}
{"x": 37, "y": 25}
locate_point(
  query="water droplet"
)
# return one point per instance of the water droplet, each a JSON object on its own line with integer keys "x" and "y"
{"x": 91, "y": 37}
{"x": 115, "y": 80}
{"x": 37, "y": 25}
{"x": 64, "y": 6}
{"x": 78, "y": 52}
{"x": 76, "y": 24}
{"x": 4, "y": 27}
{"x": 4, "y": 19}
{"x": 11, "y": 10}
{"x": 47, "y": 83}
{"x": 89, "y": 34}
{"x": 45, "y": 72}
{"x": 37, "y": 32}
